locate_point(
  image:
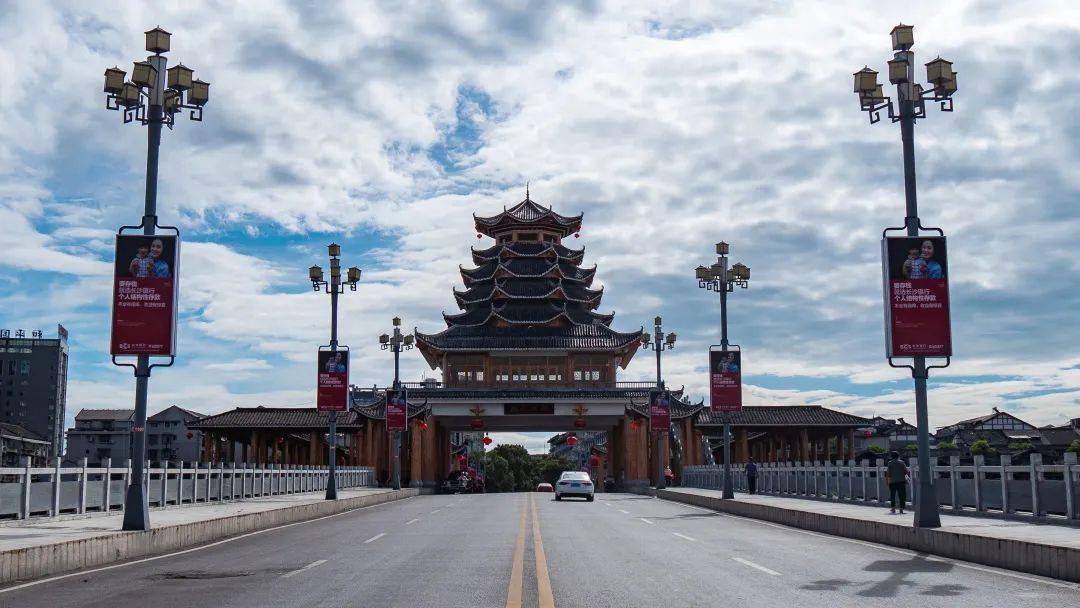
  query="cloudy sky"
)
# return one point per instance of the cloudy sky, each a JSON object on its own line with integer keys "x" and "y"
{"x": 670, "y": 125}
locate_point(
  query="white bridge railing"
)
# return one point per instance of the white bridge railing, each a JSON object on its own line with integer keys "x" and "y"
{"x": 49, "y": 491}
{"x": 1043, "y": 492}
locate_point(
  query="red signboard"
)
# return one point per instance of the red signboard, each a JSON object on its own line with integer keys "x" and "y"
{"x": 144, "y": 295}
{"x": 660, "y": 411}
{"x": 332, "y": 393}
{"x": 396, "y": 410}
{"x": 725, "y": 386}
{"x": 916, "y": 297}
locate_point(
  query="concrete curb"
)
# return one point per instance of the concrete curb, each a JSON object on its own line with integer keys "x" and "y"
{"x": 29, "y": 563}
{"x": 1022, "y": 556}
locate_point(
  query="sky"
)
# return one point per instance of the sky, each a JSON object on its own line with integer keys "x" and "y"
{"x": 670, "y": 125}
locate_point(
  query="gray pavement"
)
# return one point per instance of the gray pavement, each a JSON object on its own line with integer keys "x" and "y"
{"x": 622, "y": 550}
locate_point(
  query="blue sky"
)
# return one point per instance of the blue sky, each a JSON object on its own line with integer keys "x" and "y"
{"x": 670, "y": 125}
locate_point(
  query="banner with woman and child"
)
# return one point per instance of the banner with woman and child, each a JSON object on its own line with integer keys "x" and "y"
{"x": 144, "y": 295}
{"x": 916, "y": 297}
{"x": 725, "y": 387}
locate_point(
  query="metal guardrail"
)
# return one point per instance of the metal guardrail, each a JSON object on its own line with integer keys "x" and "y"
{"x": 49, "y": 491}
{"x": 1048, "y": 493}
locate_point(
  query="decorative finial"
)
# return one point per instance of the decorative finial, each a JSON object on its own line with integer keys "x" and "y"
{"x": 526, "y": 190}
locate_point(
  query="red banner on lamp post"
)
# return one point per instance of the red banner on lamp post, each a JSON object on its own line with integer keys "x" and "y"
{"x": 725, "y": 384}
{"x": 916, "y": 281}
{"x": 144, "y": 295}
{"x": 396, "y": 406}
{"x": 660, "y": 411}
{"x": 332, "y": 394}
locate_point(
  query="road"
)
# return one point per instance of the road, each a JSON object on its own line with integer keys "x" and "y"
{"x": 503, "y": 550}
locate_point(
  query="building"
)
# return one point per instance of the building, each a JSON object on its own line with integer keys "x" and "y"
{"x": 170, "y": 437}
{"x": 277, "y": 435}
{"x": 999, "y": 429}
{"x": 1054, "y": 441}
{"x": 33, "y": 383}
{"x": 886, "y": 435}
{"x": 100, "y": 435}
{"x": 17, "y": 444}
{"x": 783, "y": 433}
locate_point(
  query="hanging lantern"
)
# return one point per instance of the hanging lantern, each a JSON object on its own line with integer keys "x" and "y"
{"x": 571, "y": 440}
{"x": 579, "y": 423}
{"x": 487, "y": 440}
{"x": 636, "y": 424}
{"x": 868, "y": 434}
{"x": 477, "y": 423}
{"x": 594, "y": 460}
{"x": 423, "y": 425}
{"x": 190, "y": 434}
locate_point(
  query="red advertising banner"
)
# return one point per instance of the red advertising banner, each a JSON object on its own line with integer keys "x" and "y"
{"x": 916, "y": 297}
{"x": 396, "y": 404}
{"x": 725, "y": 386}
{"x": 332, "y": 393}
{"x": 660, "y": 411}
{"x": 144, "y": 295}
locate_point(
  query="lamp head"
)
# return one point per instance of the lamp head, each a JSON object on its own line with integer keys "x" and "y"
{"x": 898, "y": 71}
{"x": 315, "y": 274}
{"x": 180, "y": 77}
{"x": 384, "y": 339}
{"x": 335, "y": 250}
{"x": 157, "y": 40}
{"x": 354, "y": 275}
{"x": 114, "y": 80}
{"x": 702, "y": 273}
{"x": 722, "y": 248}
{"x": 199, "y": 93}
{"x": 903, "y": 37}
{"x": 397, "y": 321}
{"x": 143, "y": 73}
{"x": 865, "y": 81}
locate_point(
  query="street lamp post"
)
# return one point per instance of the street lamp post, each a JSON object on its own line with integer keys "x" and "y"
{"x": 911, "y": 100}
{"x": 659, "y": 343}
{"x": 334, "y": 287}
{"x": 152, "y": 97}
{"x": 396, "y": 342}
{"x": 721, "y": 279}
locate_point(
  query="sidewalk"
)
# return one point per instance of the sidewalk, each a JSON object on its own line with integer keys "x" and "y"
{"x": 1047, "y": 550}
{"x": 46, "y": 547}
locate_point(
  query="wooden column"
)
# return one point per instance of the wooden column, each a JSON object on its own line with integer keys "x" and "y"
{"x": 428, "y": 466}
{"x": 850, "y": 444}
{"x": 743, "y": 448}
{"x": 416, "y": 453}
{"x": 804, "y": 442}
{"x": 313, "y": 448}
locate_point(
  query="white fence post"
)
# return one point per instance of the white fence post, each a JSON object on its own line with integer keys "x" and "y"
{"x": 56, "y": 487}
{"x": 1036, "y": 506}
{"x": 1070, "y": 507}
{"x": 1006, "y": 462}
{"x": 976, "y": 465}
{"x": 106, "y": 497}
{"x": 83, "y": 479}
{"x": 954, "y": 461}
{"x": 27, "y": 487}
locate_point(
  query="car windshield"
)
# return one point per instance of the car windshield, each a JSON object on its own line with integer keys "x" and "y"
{"x": 575, "y": 475}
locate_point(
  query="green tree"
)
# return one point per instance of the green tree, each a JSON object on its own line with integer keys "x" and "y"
{"x": 877, "y": 449}
{"x": 499, "y": 477}
{"x": 1074, "y": 447}
{"x": 1020, "y": 446}
{"x": 520, "y": 464}
{"x": 549, "y": 468}
{"x": 982, "y": 448}
{"x": 946, "y": 445}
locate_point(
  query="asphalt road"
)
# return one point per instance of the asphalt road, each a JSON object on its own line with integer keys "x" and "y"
{"x": 504, "y": 550}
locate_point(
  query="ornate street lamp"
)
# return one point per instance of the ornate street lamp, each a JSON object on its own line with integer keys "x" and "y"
{"x": 395, "y": 342}
{"x": 659, "y": 343}
{"x": 911, "y": 98}
{"x": 723, "y": 280}
{"x": 146, "y": 99}
{"x": 334, "y": 287}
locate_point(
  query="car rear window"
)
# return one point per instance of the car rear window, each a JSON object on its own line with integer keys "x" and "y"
{"x": 575, "y": 475}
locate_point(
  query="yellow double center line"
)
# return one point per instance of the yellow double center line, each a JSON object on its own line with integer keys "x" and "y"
{"x": 517, "y": 570}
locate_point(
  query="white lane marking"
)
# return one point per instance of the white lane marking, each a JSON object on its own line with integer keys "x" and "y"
{"x": 411, "y": 522}
{"x": 747, "y": 562}
{"x": 375, "y": 538}
{"x": 685, "y": 537}
{"x": 646, "y": 521}
{"x": 624, "y": 512}
{"x": 199, "y": 548}
{"x": 307, "y": 567}
{"x": 932, "y": 558}
{"x": 436, "y": 511}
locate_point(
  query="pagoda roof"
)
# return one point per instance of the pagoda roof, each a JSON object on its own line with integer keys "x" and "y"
{"x": 528, "y": 312}
{"x": 783, "y": 415}
{"x": 527, "y": 214}
{"x": 371, "y": 403}
{"x": 526, "y": 249}
{"x": 486, "y": 338}
{"x": 528, "y": 268}
{"x": 528, "y": 289}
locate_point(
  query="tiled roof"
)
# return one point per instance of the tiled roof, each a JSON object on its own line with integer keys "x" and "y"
{"x": 485, "y": 338}
{"x": 89, "y": 414}
{"x": 526, "y": 249}
{"x": 276, "y": 418}
{"x": 783, "y": 415}
{"x": 527, "y": 213}
{"x": 528, "y": 267}
{"x": 14, "y": 430}
{"x": 1059, "y": 436}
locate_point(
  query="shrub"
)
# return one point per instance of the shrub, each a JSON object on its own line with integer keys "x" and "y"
{"x": 911, "y": 447}
{"x": 877, "y": 449}
{"x": 946, "y": 445}
{"x": 1074, "y": 447}
{"x": 982, "y": 448}
{"x": 1020, "y": 446}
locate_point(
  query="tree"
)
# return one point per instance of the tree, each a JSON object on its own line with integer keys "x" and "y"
{"x": 946, "y": 445}
{"x": 1020, "y": 446}
{"x": 499, "y": 477}
{"x": 549, "y": 468}
{"x": 1074, "y": 447}
{"x": 982, "y": 447}
{"x": 877, "y": 449}
{"x": 520, "y": 465}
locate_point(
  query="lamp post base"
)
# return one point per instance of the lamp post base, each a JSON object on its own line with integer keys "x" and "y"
{"x": 926, "y": 508}
{"x": 331, "y": 486}
{"x": 136, "y": 509}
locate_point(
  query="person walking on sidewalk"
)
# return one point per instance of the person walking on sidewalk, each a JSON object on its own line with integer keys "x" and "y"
{"x": 751, "y": 475}
{"x": 896, "y": 475}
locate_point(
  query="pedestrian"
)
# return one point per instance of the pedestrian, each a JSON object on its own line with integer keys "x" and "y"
{"x": 751, "y": 475}
{"x": 896, "y": 476}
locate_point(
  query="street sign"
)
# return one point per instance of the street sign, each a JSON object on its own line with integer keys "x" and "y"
{"x": 332, "y": 394}
{"x": 396, "y": 409}
{"x": 725, "y": 386}
{"x": 916, "y": 286}
{"x": 144, "y": 295}
{"x": 660, "y": 411}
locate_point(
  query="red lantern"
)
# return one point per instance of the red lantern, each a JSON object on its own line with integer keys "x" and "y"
{"x": 636, "y": 424}
{"x": 594, "y": 460}
{"x": 190, "y": 434}
{"x": 487, "y": 440}
{"x": 423, "y": 425}
{"x": 571, "y": 440}
{"x": 579, "y": 423}
{"x": 868, "y": 433}
{"x": 477, "y": 424}
{"x": 281, "y": 440}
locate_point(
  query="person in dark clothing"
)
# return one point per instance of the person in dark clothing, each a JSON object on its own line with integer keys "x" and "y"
{"x": 896, "y": 475}
{"x": 751, "y": 476}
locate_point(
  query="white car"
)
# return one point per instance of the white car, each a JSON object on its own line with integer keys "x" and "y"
{"x": 574, "y": 483}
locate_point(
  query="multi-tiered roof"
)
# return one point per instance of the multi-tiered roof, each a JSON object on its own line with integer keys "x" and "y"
{"x": 528, "y": 292}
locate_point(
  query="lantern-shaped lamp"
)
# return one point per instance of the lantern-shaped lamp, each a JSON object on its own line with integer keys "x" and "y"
{"x": 741, "y": 271}
{"x": 129, "y": 95}
{"x": 315, "y": 274}
{"x": 717, "y": 270}
{"x": 903, "y": 37}
{"x": 949, "y": 86}
{"x": 722, "y": 248}
{"x": 671, "y": 340}
{"x": 408, "y": 340}
{"x": 702, "y": 273}
{"x": 180, "y": 77}
{"x": 384, "y": 339}
{"x": 898, "y": 71}
{"x": 334, "y": 249}
{"x": 938, "y": 71}
{"x": 143, "y": 73}
{"x": 172, "y": 101}
{"x": 114, "y": 80}
{"x": 157, "y": 40}
{"x": 645, "y": 338}
{"x": 865, "y": 81}
{"x": 354, "y": 274}
{"x": 200, "y": 93}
